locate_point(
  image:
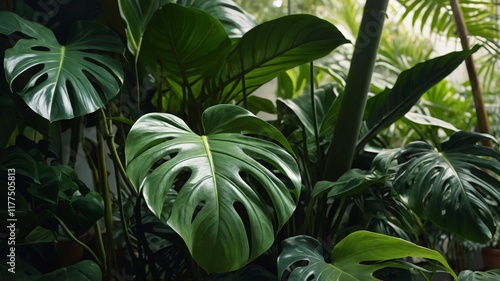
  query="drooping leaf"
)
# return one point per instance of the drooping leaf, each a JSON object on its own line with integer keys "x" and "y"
{"x": 273, "y": 47}
{"x": 455, "y": 187}
{"x": 429, "y": 121}
{"x": 20, "y": 161}
{"x": 225, "y": 191}
{"x": 387, "y": 107}
{"x": 137, "y": 14}
{"x": 62, "y": 81}
{"x": 354, "y": 258}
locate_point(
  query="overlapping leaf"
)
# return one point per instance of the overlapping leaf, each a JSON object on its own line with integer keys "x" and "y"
{"x": 231, "y": 198}
{"x": 354, "y": 258}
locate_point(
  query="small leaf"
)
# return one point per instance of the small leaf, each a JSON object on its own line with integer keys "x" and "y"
{"x": 349, "y": 184}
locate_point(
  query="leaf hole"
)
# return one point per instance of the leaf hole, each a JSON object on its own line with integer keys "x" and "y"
{"x": 22, "y": 80}
{"x": 197, "y": 210}
{"x": 40, "y": 48}
{"x": 261, "y": 191}
{"x": 105, "y": 67}
{"x": 95, "y": 84}
{"x": 243, "y": 214}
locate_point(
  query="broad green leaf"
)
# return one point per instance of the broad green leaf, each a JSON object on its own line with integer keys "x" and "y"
{"x": 273, "y": 47}
{"x": 41, "y": 235}
{"x": 231, "y": 200}
{"x": 429, "y": 121}
{"x": 187, "y": 43}
{"x": 62, "y": 81}
{"x": 456, "y": 188}
{"x": 349, "y": 184}
{"x": 137, "y": 14}
{"x": 354, "y": 258}
{"x": 490, "y": 275}
{"x": 411, "y": 84}
{"x": 235, "y": 20}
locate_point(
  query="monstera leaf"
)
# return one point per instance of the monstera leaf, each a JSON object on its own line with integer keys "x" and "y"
{"x": 232, "y": 196}
{"x": 354, "y": 258}
{"x": 456, "y": 188}
{"x": 62, "y": 82}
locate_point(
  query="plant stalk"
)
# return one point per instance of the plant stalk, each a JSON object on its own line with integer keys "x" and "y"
{"x": 342, "y": 148}
{"x": 482, "y": 115}
{"x": 106, "y": 194}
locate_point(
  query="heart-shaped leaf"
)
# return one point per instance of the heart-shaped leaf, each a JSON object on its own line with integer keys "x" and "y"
{"x": 62, "y": 81}
{"x": 232, "y": 198}
{"x": 355, "y": 258}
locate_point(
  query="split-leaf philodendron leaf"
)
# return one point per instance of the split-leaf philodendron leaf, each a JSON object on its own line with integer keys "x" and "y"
{"x": 232, "y": 195}
{"x": 62, "y": 81}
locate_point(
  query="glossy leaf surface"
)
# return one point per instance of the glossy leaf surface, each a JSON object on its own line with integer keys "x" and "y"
{"x": 62, "y": 81}
{"x": 231, "y": 197}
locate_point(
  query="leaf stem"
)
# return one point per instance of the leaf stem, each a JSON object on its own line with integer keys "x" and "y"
{"x": 68, "y": 232}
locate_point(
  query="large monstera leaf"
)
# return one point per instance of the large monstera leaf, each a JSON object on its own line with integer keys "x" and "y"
{"x": 356, "y": 258}
{"x": 457, "y": 188}
{"x": 232, "y": 196}
{"x": 62, "y": 82}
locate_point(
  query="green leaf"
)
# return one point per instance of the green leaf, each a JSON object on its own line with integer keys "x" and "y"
{"x": 62, "y": 81}
{"x": 85, "y": 270}
{"x": 388, "y": 107}
{"x": 456, "y": 188}
{"x": 235, "y": 20}
{"x": 429, "y": 121}
{"x": 17, "y": 159}
{"x": 231, "y": 200}
{"x": 259, "y": 104}
{"x": 81, "y": 212}
{"x": 349, "y": 184}
{"x": 273, "y": 47}
{"x": 187, "y": 43}
{"x": 356, "y": 257}
{"x": 137, "y": 15}
{"x": 490, "y": 275}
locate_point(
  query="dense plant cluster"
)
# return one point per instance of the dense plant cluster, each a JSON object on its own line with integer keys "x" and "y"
{"x": 354, "y": 178}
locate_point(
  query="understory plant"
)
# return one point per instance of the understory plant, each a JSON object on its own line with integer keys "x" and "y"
{"x": 188, "y": 183}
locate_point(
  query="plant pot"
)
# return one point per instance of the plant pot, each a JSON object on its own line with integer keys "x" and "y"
{"x": 491, "y": 258}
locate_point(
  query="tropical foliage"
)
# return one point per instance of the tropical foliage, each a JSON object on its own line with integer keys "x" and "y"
{"x": 155, "y": 101}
